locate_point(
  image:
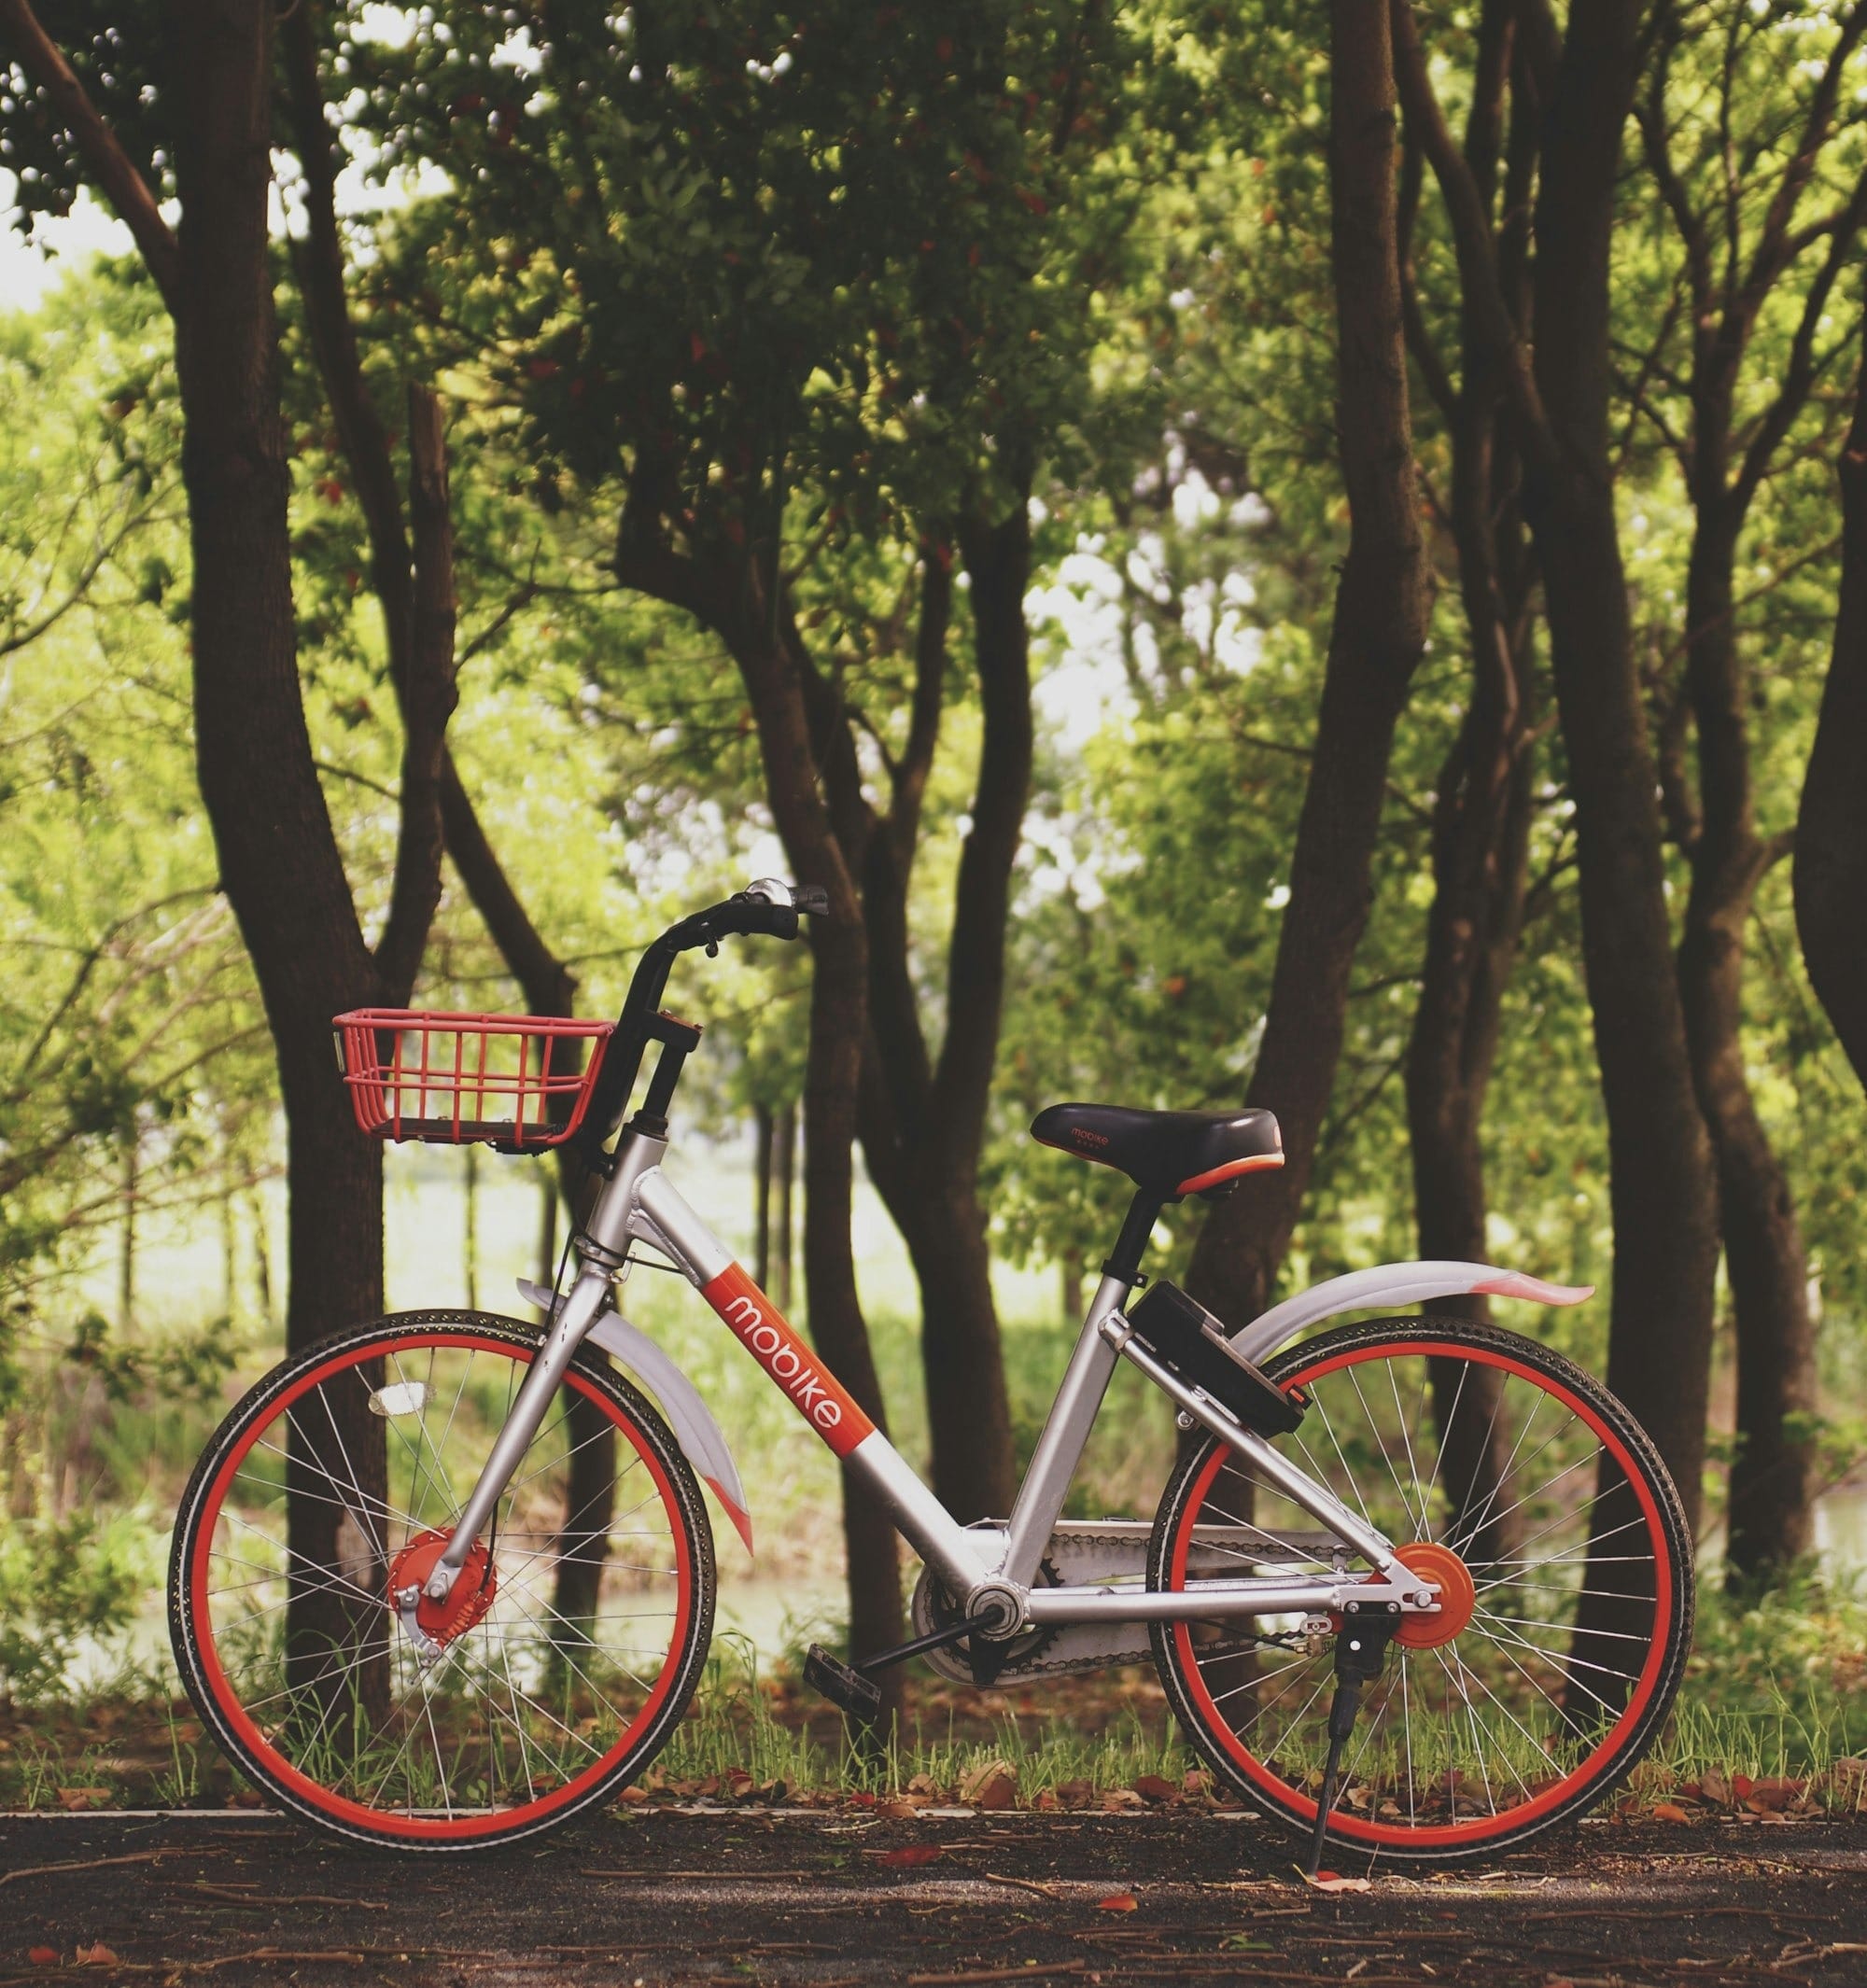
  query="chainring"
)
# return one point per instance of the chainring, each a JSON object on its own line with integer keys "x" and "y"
{"x": 933, "y": 1608}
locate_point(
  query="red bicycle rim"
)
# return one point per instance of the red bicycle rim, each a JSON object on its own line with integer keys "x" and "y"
{"x": 390, "y": 1821}
{"x": 1373, "y": 1831}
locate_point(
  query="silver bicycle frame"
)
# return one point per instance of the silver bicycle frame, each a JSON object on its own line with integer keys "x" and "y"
{"x": 988, "y": 1569}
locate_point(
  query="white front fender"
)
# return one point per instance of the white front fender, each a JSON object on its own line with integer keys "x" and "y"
{"x": 1395, "y": 1284}
{"x": 701, "y": 1439}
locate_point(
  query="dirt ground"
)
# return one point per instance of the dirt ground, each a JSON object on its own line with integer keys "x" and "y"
{"x": 653, "y": 1896}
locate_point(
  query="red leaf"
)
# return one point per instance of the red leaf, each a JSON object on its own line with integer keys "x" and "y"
{"x": 43, "y": 1956}
{"x": 1669, "y": 1811}
{"x": 1123, "y": 1901}
{"x": 911, "y": 1858}
{"x": 98, "y": 1956}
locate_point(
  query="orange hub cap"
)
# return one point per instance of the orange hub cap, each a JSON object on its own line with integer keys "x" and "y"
{"x": 1458, "y": 1596}
{"x": 468, "y": 1600}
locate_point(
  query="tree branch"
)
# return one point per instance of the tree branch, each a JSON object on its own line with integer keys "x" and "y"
{"x": 114, "y": 171}
{"x": 1471, "y": 236}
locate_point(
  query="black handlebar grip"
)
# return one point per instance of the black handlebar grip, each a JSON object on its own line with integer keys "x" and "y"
{"x": 812, "y": 900}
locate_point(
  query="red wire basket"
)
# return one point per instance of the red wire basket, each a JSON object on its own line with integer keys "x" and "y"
{"x": 512, "y": 1079}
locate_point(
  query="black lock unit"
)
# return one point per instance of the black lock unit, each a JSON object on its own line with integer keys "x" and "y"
{"x": 1191, "y": 1343}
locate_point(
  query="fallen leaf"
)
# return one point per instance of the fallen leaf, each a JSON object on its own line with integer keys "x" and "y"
{"x": 1776, "y": 1791}
{"x": 1123, "y": 1901}
{"x": 1327, "y": 1880}
{"x": 922, "y": 1785}
{"x": 911, "y": 1858}
{"x": 43, "y": 1956}
{"x": 1122, "y": 1798}
{"x": 633, "y": 1794}
{"x": 1714, "y": 1787}
{"x": 1669, "y": 1811}
{"x": 899, "y": 1810}
{"x": 1073, "y": 1794}
{"x": 76, "y": 1799}
{"x": 1153, "y": 1788}
{"x": 98, "y": 1956}
{"x": 992, "y": 1785}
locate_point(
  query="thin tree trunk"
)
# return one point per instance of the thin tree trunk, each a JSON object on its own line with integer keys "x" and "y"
{"x": 1830, "y": 858}
{"x": 1380, "y": 631}
{"x": 470, "y": 1227}
{"x": 126, "y": 1255}
{"x": 547, "y": 1231}
{"x": 1482, "y": 821}
{"x": 923, "y": 1123}
{"x": 765, "y": 1133}
{"x": 1771, "y": 1514}
{"x": 787, "y": 1213}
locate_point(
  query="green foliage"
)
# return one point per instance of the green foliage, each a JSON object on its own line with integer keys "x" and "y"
{"x": 65, "y": 1584}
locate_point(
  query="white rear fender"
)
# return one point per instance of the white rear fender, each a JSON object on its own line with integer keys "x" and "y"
{"x": 1392, "y": 1285}
{"x": 702, "y": 1442}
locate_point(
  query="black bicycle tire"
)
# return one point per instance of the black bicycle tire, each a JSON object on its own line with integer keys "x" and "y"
{"x": 690, "y": 1661}
{"x": 1640, "y": 1739}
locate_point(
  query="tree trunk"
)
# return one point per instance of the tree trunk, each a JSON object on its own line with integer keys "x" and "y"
{"x": 832, "y": 1073}
{"x": 1381, "y": 604}
{"x": 548, "y": 986}
{"x": 279, "y": 862}
{"x": 1664, "y": 1190}
{"x": 923, "y": 1127}
{"x": 765, "y": 1133}
{"x": 773, "y": 672}
{"x": 1830, "y": 858}
{"x": 786, "y": 1252}
{"x": 1481, "y": 821}
{"x": 1771, "y": 1518}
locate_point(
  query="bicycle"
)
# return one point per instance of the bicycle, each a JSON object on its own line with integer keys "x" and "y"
{"x": 1415, "y": 1587}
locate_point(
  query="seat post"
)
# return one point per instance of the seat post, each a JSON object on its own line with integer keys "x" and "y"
{"x": 1123, "y": 1260}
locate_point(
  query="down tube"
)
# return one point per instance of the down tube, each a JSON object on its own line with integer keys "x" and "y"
{"x": 872, "y": 1461}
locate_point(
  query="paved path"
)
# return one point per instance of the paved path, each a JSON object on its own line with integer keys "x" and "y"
{"x": 743, "y": 1896}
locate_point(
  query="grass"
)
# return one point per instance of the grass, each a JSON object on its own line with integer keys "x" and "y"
{"x": 1774, "y": 1692}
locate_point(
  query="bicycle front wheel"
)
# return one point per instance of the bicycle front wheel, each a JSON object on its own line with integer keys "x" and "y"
{"x": 1533, "y": 1499}
{"x": 567, "y": 1652}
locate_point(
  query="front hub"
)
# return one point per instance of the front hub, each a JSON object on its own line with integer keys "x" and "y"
{"x": 466, "y": 1603}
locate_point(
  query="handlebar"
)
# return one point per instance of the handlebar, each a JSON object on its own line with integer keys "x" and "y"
{"x": 767, "y": 908}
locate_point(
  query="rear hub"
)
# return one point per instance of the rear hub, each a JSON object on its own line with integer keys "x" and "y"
{"x": 1458, "y": 1595}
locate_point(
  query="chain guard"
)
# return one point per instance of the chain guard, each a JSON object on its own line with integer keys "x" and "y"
{"x": 1088, "y": 1553}
{"x": 1103, "y": 1550}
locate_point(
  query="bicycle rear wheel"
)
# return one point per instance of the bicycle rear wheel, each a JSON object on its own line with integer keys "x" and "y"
{"x": 1526, "y": 1489}
{"x": 524, "y": 1718}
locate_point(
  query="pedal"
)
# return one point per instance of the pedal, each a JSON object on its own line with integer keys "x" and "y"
{"x": 859, "y": 1696}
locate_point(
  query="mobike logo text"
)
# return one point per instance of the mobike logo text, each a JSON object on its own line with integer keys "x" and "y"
{"x": 759, "y": 1328}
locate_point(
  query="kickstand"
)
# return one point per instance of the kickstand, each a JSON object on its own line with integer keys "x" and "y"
{"x": 1361, "y": 1650}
